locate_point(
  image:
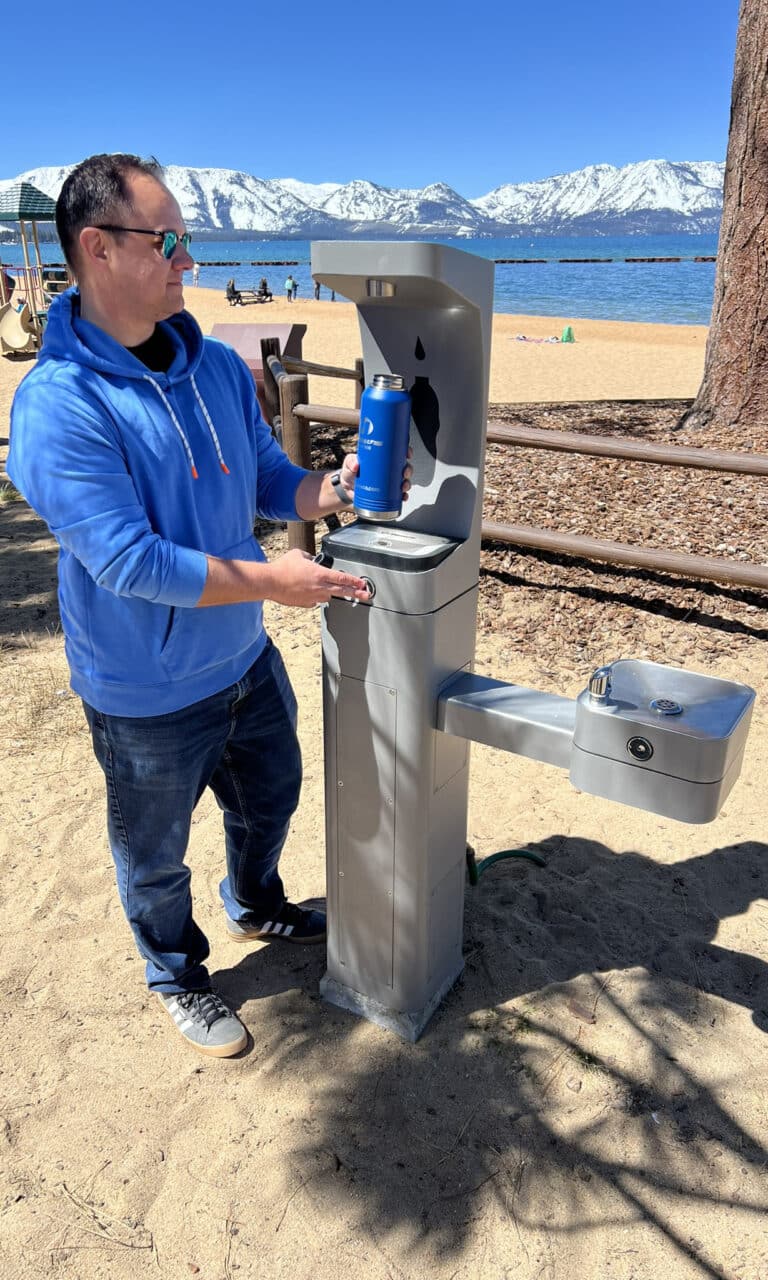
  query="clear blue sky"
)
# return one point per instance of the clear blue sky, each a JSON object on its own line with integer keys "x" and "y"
{"x": 404, "y": 93}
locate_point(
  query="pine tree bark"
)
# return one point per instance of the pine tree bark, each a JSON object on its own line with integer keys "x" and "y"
{"x": 734, "y": 389}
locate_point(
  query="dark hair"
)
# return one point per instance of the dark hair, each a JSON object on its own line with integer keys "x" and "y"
{"x": 96, "y": 191}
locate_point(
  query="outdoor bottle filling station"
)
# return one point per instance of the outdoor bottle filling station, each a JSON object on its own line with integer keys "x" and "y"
{"x": 401, "y": 702}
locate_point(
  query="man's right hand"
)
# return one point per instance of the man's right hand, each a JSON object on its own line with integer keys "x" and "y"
{"x": 299, "y": 580}
{"x": 293, "y": 579}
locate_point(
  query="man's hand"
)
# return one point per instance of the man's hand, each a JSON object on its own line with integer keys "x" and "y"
{"x": 350, "y": 469}
{"x": 299, "y": 580}
{"x": 294, "y": 579}
{"x": 315, "y": 496}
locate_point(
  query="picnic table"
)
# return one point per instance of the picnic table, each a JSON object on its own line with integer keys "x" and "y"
{"x": 253, "y": 295}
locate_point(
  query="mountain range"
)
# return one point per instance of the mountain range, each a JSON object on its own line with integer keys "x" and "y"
{"x": 650, "y": 197}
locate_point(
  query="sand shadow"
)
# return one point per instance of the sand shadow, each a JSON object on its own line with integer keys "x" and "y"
{"x": 473, "y": 1121}
{"x": 28, "y": 602}
{"x": 623, "y": 595}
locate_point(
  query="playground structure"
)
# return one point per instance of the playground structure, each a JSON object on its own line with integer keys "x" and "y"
{"x": 18, "y": 335}
{"x": 401, "y": 701}
{"x": 23, "y": 314}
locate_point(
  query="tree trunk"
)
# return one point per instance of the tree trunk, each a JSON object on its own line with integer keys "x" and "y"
{"x": 734, "y": 389}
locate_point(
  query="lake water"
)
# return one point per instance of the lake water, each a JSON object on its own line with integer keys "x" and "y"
{"x": 663, "y": 292}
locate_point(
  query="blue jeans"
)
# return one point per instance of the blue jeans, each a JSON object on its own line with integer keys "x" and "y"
{"x": 242, "y": 744}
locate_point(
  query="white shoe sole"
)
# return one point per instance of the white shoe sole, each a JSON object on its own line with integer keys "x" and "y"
{"x": 207, "y": 1050}
{"x": 274, "y": 937}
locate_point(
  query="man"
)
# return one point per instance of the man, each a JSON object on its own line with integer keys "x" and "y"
{"x": 141, "y": 444}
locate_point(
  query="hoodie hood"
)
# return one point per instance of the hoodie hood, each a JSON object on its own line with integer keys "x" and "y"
{"x": 69, "y": 337}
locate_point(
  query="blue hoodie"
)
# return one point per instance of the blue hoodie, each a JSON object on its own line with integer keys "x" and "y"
{"x": 139, "y": 475}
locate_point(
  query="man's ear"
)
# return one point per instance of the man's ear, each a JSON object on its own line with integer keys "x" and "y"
{"x": 93, "y": 245}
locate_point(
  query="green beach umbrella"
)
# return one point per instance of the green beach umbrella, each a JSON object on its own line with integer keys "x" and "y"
{"x": 23, "y": 203}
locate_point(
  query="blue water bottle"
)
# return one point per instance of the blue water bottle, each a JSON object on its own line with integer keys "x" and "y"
{"x": 382, "y": 448}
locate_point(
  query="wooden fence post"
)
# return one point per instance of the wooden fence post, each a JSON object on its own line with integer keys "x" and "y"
{"x": 294, "y": 389}
{"x": 360, "y": 384}
{"x": 270, "y": 347}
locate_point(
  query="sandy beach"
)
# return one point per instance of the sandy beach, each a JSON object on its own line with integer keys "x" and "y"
{"x": 587, "y": 1104}
{"x": 607, "y": 361}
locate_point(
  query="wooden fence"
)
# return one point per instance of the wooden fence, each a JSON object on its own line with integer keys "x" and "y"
{"x": 297, "y": 413}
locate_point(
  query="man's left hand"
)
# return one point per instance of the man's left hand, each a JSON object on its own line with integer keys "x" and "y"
{"x": 317, "y": 496}
{"x": 349, "y": 470}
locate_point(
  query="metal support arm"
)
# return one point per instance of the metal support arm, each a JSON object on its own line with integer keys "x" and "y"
{"x": 523, "y": 721}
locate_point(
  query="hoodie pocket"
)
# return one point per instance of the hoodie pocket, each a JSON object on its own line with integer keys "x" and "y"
{"x": 200, "y": 639}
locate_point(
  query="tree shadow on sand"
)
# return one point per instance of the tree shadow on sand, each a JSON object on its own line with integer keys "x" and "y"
{"x": 667, "y": 604}
{"x": 28, "y": 564}
{"x": 569, "y": 1085}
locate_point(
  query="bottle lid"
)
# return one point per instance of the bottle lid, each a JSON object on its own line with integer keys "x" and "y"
{"x": 390, "y": 381}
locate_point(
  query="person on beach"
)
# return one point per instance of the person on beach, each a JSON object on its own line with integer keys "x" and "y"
{"x": 8, "y": 284}
{"x": 141, "y": 444}
{"x": 196, "y": 274}
{"x": 289, "y": 282}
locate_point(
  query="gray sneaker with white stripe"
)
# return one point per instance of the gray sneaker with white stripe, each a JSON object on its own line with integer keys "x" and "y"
{"x": 206, "y": 1022}
{"x": 291, "y": 924}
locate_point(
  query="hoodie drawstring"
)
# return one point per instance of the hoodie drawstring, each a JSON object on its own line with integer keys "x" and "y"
{"x": 211, "y": 427}
{"x": 180, "y": 429}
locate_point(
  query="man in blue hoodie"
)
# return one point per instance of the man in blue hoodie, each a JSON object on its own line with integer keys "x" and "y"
{"x": 141, "y": 444}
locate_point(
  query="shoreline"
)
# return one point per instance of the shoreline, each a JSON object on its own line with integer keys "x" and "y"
{"x": 609, "y": 360}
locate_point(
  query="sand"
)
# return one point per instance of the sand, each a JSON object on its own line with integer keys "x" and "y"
{"x": 589, "y": 1101}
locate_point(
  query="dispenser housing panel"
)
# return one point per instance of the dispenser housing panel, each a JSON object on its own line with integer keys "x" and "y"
{"x": 365, "y": 861}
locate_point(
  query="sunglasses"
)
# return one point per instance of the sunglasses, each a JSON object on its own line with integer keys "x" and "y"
{"x": 170, "y": 239}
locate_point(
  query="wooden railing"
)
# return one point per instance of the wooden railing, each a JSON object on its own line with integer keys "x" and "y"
{"x": 296, "y": 414}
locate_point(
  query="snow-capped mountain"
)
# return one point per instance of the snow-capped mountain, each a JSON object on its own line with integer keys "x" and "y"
{"x": 433, "y": 210}
{"x": 653, "y": 196}
{"x": 312, "y": 193}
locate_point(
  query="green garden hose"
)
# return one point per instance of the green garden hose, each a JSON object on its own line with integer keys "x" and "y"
{"x": 475, "y": 869}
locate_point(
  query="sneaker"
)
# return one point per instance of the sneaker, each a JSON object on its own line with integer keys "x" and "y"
{"x": 294, "y": 924}
{"x": 206, "y": 1022}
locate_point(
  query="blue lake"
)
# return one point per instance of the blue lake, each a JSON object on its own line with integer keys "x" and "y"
{"x": 662, "y": 293}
